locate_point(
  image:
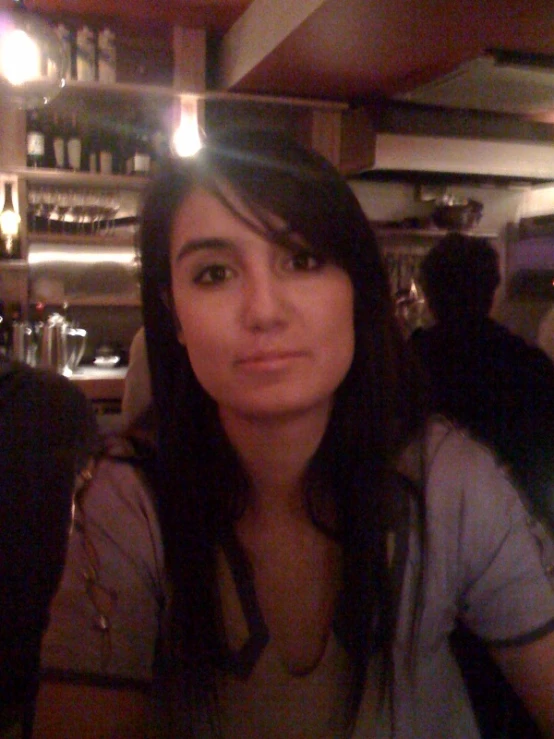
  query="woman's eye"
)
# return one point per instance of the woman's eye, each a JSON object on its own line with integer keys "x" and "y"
{"x": 212, "y": 275}
{"x": 304, "y": 261}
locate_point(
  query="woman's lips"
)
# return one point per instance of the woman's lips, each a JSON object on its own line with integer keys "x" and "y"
{"x": 264, "y": 361}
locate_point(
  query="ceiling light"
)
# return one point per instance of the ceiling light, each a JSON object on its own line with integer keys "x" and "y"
{"x": 186, "y": 139}
{"x": 33, "y": 61}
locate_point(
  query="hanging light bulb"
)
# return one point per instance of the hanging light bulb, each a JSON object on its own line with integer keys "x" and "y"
{"x": 33, "y": 61}
{"x": 9, "y": 224}
{"x": 186, "y": 139}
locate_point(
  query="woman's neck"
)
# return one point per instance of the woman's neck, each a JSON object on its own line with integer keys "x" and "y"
{"x": 275, "y": 454}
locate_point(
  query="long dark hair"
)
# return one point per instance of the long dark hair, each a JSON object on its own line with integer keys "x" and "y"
{"x": 201, "y": 483}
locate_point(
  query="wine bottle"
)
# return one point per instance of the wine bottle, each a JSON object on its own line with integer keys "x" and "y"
{"x": 59, "y": 142}
{"x": 86, "y": 54}
{"x": 92, "y": 148}
{"x": 74, "y": 145}
{"x": 9, "y": 226}
{"x": 106, "y": 151}
{"x": 106, "y": 56}
{"x": 36, "y": 140}
{"x": 5, "y": 333}
{"x": 139, "y": 161}
{"x": 67, "y": 39}
{"x": 160, "y": 150}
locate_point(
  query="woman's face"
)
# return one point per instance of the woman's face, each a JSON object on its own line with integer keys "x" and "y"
{"x": 269, "y": 329}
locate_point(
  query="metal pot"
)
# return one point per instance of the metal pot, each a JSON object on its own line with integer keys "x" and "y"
{"x": 457, "y": 215}
{"x": 61, "y": 346}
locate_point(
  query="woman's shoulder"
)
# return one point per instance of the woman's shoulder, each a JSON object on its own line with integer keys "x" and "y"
{"x": 441, "y": 443}
{"x": 465, "y": 480}
{"x": 447, "y": 463}
{"x": 450, "y": 444}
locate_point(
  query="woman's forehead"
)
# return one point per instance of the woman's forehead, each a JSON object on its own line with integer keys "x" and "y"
{"x": 203, "y": 203}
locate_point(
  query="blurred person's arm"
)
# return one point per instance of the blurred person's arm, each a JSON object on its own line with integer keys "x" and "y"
{"x": 99, "y": 650}
{"x": 495, "y": 563}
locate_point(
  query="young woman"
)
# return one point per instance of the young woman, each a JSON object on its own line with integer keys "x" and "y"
{"x": 321, "y": 535}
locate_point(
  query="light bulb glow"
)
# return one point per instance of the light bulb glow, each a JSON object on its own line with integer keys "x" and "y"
{"x": 81, "y": 256}
{"x": 186, "y": 139}
{"x": 33, "y": 60}
{"x": 19, "y": 57}
{"x": 9, "y": 223}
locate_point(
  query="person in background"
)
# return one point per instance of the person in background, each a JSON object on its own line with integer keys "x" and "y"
{"x": 481, "y": 375}
{"x": 137, "y": 393}
{"x": 48, "y": 435}
{"x": 502, "y": 390}
{"x": 321, "y": 532}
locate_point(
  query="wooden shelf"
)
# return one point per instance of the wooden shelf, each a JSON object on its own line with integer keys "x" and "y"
{"x": 108, "y": 240}
{"x": 429, "y": 233}
{"x": 98, "y": 301}
{"x": 76, "y": 88}
{"x": 14, "y": 265}
{"x": 64, "y": 178}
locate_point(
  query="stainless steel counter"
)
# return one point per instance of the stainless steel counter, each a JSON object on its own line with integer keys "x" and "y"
{"x": 101, "y": 383}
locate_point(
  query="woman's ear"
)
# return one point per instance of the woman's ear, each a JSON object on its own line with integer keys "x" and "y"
{"x": 167, "y": 299}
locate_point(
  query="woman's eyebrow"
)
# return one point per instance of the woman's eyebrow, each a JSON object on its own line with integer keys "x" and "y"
{"x": 194, "y": 245}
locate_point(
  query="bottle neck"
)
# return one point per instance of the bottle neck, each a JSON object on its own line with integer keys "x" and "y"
{"x": 8, "y": 200}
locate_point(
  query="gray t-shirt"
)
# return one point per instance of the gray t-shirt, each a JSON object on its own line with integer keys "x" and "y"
{"x": 487, "y": 562}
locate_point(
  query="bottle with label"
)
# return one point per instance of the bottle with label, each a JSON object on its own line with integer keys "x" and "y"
{"x": 106, "y": 56}
{"x": 74, "y": 145}
{"x": 66, "y": 37}
{"x": 160, "y": 150}
{"x": 59, "y": 136}
{"x": 139, "y": 160}
{"x": 91, "y": 145}
{"x": 86, "y": 55}
{"x": 106, "y": 151}
{"x": 36, "y": 140}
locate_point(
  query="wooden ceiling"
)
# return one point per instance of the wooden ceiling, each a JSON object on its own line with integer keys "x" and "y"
{"x": 348, "y": 50}
{"x": 215, "y": 15}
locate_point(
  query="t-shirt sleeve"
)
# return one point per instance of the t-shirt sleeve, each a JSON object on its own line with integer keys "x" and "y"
{"x": 488, "y": 558}
{"x": 105, "y": 618}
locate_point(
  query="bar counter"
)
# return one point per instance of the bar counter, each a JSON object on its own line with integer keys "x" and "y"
{"x": 101, "y": 384}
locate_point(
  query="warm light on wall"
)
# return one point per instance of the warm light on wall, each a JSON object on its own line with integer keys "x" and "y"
{"x": 186, "y": 139}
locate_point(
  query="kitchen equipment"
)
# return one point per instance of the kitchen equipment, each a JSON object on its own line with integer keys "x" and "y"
{"x": 107, "y": 356}
{"x": 61, "y": 345}
{"x": 76, "y": 342}
{"x": 24, "y": 344}
{"x": 459, "y": 214}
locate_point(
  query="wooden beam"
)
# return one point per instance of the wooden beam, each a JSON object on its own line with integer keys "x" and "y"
{"x": 258, "y": 32}
{"x": 189, "y": 59}
{"x": 357, "y": 145}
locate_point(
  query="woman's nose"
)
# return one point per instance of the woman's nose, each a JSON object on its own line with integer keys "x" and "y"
{"x": 264, "y": 304}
